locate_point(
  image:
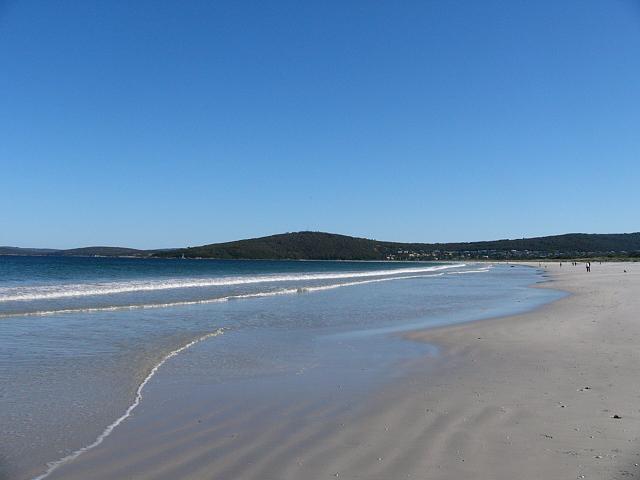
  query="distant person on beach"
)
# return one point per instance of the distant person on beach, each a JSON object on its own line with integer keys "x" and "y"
{"x": 588, "y": 265}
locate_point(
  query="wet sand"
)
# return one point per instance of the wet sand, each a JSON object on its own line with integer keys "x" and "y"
{"x": 532, "y": 396}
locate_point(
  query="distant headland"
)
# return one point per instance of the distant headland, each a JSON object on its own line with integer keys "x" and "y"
{"x": 330, "y": 246}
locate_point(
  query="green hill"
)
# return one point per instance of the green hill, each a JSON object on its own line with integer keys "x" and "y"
{"x": 78, "y": 252}
{"x": 103, "y": 252}
{"x": 299, "y": 245}
{"x": 26, "y": 251}
{"x": 329, "y": 246}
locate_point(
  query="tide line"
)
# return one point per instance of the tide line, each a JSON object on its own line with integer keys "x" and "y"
{"x": 52, "y": 292}
{"x": 52, "y": 466}
{"x": 285, "y": 291}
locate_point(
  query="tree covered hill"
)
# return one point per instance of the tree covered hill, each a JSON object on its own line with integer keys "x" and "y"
{"x": 298, "y": 246}
{"x": 26, "y": 251}
{"x": 78, "y": 252}
{"x": 329, "y": 246}
{"x": 104, "y": 252}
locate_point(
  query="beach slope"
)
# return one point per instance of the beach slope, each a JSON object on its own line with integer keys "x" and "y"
{"x": 550, "y": 394}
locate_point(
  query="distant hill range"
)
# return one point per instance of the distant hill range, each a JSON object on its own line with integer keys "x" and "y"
{"x": 330, "y": 246}
{"x": 78, "y": 252}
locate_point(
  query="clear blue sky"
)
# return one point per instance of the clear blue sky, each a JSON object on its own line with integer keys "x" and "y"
{"x": 158, "y": 124}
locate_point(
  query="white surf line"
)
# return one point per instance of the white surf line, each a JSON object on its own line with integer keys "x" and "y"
{"x": 480, "y": 270}
{"x": 52, "y": 466}
{"x": 286, "y": 291}
{"x": 349, "y": 284}
{"x": 85, "y": 290}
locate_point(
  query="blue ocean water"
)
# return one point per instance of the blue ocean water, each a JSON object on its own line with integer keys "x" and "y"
{"x": 79, "y": 337}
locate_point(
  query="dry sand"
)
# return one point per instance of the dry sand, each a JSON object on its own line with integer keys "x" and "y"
{"x": 527, "y": 397}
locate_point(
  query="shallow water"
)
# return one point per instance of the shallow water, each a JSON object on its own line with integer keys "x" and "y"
{"x": 78, "y": 336}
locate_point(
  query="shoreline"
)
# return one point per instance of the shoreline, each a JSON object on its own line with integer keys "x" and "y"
{"x": 442, "y": 330}
{"x": 538, "y": 395}
{"x": 54, "y": 465}
{"x": 527, "y": 396}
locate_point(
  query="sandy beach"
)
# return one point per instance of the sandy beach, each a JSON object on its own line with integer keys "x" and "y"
{"x": 550, "y": 394}
{"x": 539, "y": 395}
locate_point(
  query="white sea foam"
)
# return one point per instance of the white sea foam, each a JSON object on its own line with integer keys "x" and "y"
{"x": 58, "y": 291}
{"x": 284, "y": 291}
{"x": 52, "y": 466}
{"x": 349, "y": 284}
{"x": 479, "y": 270}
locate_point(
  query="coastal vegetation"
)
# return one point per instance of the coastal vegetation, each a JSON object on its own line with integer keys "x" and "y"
{"x": 329, "y": 246}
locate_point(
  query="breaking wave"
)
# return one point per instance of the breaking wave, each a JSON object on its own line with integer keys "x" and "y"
{"x": 283, "y": 291}
{"x": 59, "y": 291}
